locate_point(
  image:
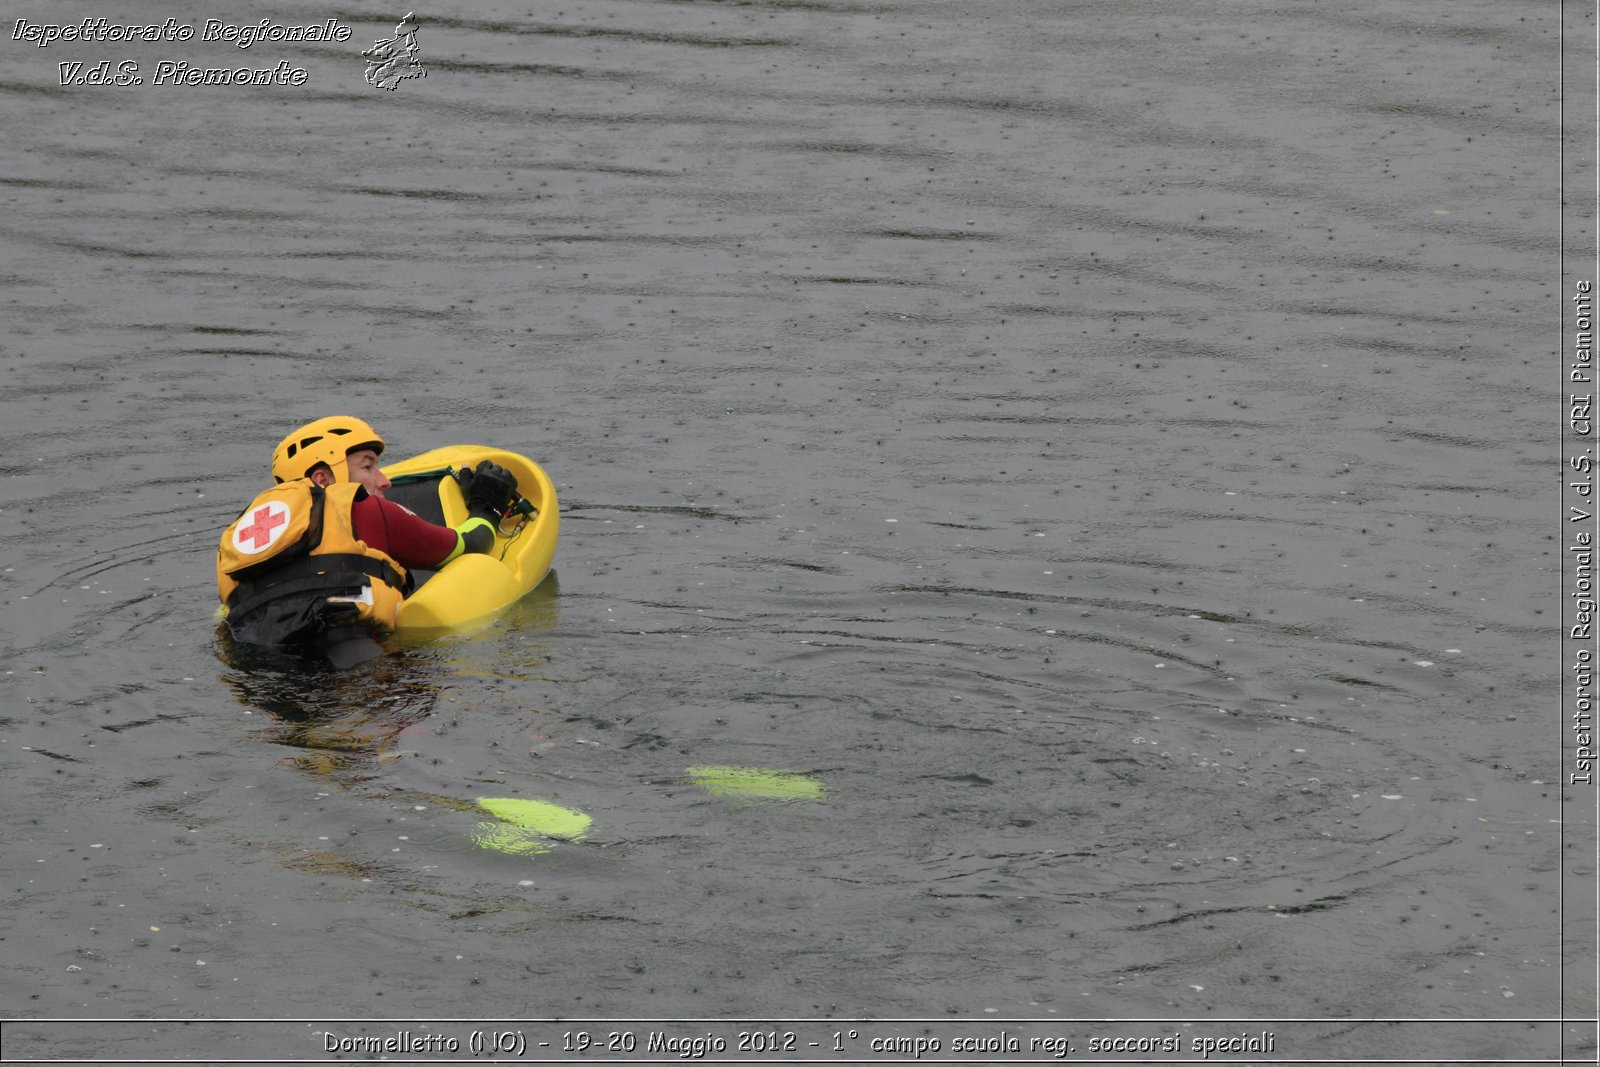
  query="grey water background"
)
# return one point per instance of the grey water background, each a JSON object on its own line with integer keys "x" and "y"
{"x": 1104, "y": 445}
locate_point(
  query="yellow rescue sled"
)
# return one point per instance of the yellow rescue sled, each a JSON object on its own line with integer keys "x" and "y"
{"x": 476, "y": 584}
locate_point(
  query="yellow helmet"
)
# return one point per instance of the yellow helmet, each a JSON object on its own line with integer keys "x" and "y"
{"x": 327, "y": 441}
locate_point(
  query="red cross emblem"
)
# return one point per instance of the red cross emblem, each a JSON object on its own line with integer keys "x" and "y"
{"x": 265, "y": 527}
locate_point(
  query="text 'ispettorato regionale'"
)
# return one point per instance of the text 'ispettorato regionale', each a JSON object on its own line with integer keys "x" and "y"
{"x": 244, "y": 34}
{"x": 100, "y": 30}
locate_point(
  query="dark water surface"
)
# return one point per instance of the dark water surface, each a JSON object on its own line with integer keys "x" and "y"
{"x": 1096, "y": 445}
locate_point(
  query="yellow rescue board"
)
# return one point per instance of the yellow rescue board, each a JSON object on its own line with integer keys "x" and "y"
{"x": 476, "y": 585}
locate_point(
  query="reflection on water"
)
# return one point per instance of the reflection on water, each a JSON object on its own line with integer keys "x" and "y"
{"x": 345, "y": 719}
{"x": 349, "y": 719}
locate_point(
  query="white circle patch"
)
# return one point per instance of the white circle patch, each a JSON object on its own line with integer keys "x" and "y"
{"x": 260, "y": 529}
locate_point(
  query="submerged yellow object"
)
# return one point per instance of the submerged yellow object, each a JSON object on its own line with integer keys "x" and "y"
{"x": 525, "y": 824}
{"x": 477, "y": 584}
{"x": 755, "y": 782}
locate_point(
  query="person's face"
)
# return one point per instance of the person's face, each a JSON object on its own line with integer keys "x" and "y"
{"x": 362, "y": 467}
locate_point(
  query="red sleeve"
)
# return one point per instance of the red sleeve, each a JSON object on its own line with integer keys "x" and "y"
{"x": 413, "y": 541}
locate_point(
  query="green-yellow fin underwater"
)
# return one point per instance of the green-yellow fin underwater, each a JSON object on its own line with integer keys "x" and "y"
{"x": 525, "y": 825}
{"x": 755, "y": 782}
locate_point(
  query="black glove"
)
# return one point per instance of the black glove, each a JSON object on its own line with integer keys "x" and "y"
{"x": 491, "y": 490}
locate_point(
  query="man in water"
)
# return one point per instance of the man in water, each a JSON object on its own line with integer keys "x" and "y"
{"x": 320, "y": 560}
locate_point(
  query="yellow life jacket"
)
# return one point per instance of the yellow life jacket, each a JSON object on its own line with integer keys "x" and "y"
{"x": 291, "y": 567}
